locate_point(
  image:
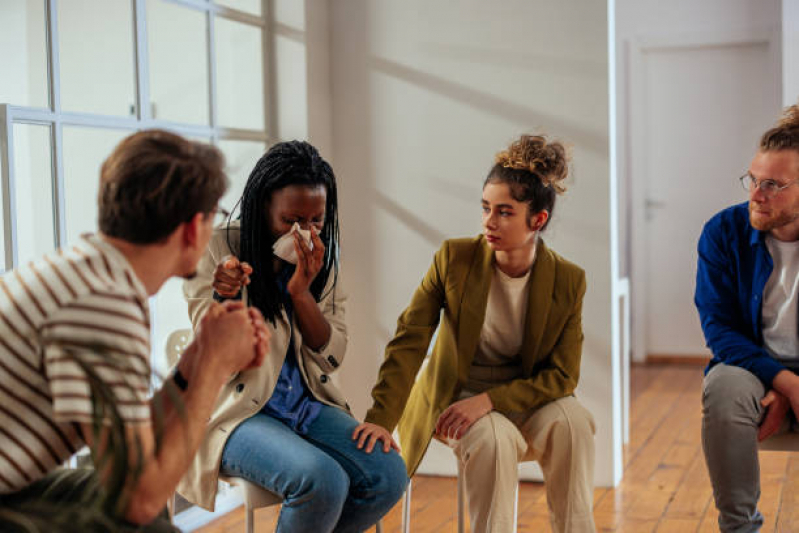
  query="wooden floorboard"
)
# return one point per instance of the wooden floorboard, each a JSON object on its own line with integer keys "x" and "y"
{"x": 665, "y": 486}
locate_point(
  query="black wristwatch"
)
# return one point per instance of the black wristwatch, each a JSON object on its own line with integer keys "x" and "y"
{"x": 180, "y": 380}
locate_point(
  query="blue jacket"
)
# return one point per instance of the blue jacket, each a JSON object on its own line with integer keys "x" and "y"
{"x": 734, "y": 265}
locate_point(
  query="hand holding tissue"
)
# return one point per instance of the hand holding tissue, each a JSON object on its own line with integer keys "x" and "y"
{"x": 284, "y": 246}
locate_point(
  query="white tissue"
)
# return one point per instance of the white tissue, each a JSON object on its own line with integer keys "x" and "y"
{"x": 284, "y": 246}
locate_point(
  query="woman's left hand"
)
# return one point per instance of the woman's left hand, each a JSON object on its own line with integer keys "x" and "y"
{"x": 309, "y": 263}
{"x": 456, "y": 419}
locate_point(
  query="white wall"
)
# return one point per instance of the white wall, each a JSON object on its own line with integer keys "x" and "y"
{"x": 651, "y": 19}
{"x": 424, "y": 94}
{"x": 790, "y": 52}
{"x": 672, "y": 23}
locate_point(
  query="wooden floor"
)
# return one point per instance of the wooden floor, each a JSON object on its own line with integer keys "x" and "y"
{"x": 665, "y": 486}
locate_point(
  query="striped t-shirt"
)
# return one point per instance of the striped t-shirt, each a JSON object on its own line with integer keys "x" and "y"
{"x": 75, "y": 313}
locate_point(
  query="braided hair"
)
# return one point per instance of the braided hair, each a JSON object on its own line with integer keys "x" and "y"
{"x": 284, "y": 164}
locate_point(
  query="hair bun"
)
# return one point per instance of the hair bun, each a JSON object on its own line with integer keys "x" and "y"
{"x": 547, "y": 160}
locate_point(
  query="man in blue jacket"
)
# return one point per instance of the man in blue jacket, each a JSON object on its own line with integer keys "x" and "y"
{"x": 747, "y": 294}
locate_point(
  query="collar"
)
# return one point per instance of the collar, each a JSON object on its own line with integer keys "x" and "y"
{"x": 756, "y": 237}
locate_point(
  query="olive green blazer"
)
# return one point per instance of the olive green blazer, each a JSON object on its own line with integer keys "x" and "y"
{"x": 452, "y": 298}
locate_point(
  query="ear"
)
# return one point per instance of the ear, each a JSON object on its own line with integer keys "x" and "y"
{"x": 538, "y": 220}
{"x": 192, "y": 230}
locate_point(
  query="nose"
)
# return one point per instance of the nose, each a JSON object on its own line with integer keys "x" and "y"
{"x": 756, "y": 194}
{"x": 489, "y": 221}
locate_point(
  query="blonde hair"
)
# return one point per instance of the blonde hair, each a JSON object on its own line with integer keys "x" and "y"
{"x": 785, "y": 135}
{"x": 545, "y": 160}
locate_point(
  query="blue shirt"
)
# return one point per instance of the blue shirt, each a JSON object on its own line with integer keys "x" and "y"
{"x": 733, "y": 268}
{"x": 291, "y": 401}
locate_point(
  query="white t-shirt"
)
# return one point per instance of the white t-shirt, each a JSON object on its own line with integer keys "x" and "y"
{"x": 503, "y": 328}
{"x": 780, "y": 311}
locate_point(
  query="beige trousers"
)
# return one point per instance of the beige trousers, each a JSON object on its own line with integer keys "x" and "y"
{"x": 559, "y": 435}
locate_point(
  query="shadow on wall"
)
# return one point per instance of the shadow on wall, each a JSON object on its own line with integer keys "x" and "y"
{"x": 428, "y": 232}
{"x": 548, "y": 64}
{"x": 454, "y": 190}
{"x": 487, "y": 103}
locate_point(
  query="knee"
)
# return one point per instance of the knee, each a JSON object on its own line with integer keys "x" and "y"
{"x": 323, "y": 481}
{"x": 574, "y": 423}
{"x": 490, "y": 439}
{"x": 732, "y": 395}
{"x": 391, "y": 479}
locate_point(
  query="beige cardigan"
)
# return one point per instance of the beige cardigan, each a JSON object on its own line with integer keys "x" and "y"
{"x": 247, "y": 392}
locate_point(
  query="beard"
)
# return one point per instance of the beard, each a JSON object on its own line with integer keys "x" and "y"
{"x": 772, "y": 220}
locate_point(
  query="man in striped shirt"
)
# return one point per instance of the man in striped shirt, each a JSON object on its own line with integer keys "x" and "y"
{"x": 75, "y": 325}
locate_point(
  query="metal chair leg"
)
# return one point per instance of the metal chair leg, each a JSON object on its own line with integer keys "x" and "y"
{"x": 379, "y": 527}
{"x": 250, "y": 520}
{"x": 461, "y": 505}
{"x": 406, "y": 509}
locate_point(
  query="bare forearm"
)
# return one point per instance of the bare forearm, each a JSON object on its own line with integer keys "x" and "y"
{"x": 183, "y": 428}
{"x": 313, "y": 325}
{"x": 786, "y": 383}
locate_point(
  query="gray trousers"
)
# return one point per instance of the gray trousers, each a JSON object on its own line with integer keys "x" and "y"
{"x": 731, "y": 414}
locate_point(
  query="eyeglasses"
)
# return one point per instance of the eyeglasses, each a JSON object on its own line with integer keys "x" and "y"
{"x": 769, "y": 188}
{"x": 221, "y": 216}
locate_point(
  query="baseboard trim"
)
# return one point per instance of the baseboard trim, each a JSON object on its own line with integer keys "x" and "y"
{"x": 672, "y": 359}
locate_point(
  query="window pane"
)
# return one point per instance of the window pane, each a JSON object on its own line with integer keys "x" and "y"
{"x": 23, "y": 53}
{"x": 289, "y": 13}
{"x": 97, "y": 56}
{"x": 33, "y": 192}
{"x": 85, "y": 149}
{"x": 239, "y": 79}
{"x": 240, "y": 158}
{"x": 178, "y": 45}
{"x": 250, "y": 6}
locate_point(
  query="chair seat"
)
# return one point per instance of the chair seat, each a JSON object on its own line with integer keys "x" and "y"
{"x": 254, "y": 495}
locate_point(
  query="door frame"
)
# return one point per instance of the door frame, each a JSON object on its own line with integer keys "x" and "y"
{"x": 637, "y": 54}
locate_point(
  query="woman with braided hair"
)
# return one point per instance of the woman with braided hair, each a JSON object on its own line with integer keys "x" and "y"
{"x": 498, "y": 388}
{"x": 285, "y": 426}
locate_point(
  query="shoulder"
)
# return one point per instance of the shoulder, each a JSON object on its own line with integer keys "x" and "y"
{"x": 726, "y": 231}
{"x": 225, "y": 240}
{"x": 732, "y": 219}
{"x": 567, "y": 273}
{"x": 461, "y": 249}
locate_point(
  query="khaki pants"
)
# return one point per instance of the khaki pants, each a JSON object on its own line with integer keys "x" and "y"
{"x": 559, "y": 435}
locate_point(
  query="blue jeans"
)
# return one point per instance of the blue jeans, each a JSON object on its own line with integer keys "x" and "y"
{"x": 326, "y": 482}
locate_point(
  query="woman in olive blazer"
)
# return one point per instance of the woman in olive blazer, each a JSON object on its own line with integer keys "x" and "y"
{"x": 496, "y": 409}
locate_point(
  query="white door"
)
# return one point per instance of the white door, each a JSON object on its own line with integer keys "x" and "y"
{"x": 702, "y": 110}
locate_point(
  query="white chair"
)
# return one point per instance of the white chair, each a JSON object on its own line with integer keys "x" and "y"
{"x": 254, "y": 496}
{"x": 406, "y": 510}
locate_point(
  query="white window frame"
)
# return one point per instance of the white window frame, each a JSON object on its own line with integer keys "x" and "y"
{"x": 55, "y": 118}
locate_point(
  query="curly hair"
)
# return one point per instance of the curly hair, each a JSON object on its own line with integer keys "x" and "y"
{"x": 534, "y": 168}
{"x": 785, "y": 135}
